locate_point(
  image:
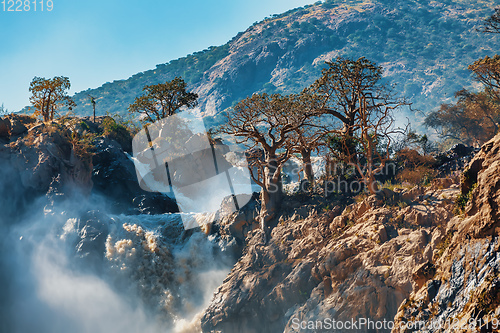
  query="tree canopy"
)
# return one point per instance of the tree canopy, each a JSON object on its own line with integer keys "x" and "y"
{"x": 50, "y": 94}
{"x": 162, "y": 100}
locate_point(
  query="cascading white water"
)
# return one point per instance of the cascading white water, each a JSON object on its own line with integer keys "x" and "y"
{"x": 114, "y": 274}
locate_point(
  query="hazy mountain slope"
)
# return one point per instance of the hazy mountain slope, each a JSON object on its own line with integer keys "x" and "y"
{"x": 424, "y": 46}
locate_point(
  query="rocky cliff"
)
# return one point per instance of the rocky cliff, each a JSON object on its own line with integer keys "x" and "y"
{"x": 68, "y": 158}
{"x": 39, "y": 159}
{"x": 464, "y": 290}
{"x": 400, "y": 256}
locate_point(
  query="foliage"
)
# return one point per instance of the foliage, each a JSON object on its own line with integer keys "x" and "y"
{"x": 414, "y": 167}
{"x": 472, "y": 120}
{"x": 475, "y": 117}
{"x": 463, "y": 199}
{"x": 49, "y": 94}
{"x": 83, "y": 146}
{"x": 117, "y": 132}
{"x": 162, "y": 100}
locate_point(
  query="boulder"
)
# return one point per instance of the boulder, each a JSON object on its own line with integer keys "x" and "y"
{"x": 19, "y": 123}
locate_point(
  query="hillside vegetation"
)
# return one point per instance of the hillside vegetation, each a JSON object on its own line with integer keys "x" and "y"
{"x": 414, "y": 41}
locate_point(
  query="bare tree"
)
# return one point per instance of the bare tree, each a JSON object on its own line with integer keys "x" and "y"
{"x": 265, "y": 124}
{"x": 352, "y": 92}
{"x": 368, "y": 147}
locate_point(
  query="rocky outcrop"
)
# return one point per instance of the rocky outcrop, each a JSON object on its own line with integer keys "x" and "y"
{"x": 361, "y": 262}
{"x": 67, "y": 157}
{"x": 14, "y": 125}
{"x": 42, "y": 160}
{"x": 464, "y": 292}
{"x": 408, "y": 257}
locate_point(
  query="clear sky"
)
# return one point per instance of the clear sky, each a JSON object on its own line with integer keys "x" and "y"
{"x": 93, "y": 42}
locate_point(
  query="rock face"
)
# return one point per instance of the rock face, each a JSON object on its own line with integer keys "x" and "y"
{"x": 41, "y": 160}
{"x": 14, "y": 125}
{"x": 402, "y": 256}
{"x": 464, "y": 293}
{"x": 361, "y": 263}
{"x": 67, "y": 157}
{"x": 115, "y": 178}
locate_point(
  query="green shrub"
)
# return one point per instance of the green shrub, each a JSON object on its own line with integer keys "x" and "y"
{"x": 117, "y": 132}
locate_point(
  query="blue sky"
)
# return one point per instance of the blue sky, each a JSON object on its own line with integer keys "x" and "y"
{"x": 93, "y": 42}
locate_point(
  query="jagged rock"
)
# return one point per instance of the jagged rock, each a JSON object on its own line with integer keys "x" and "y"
{"x": 19, "y": 123}
{"x": 234, "y": 227}
{"x": 484, "y": 176}
{"x": 41, "y": 157}
{"x": 412, "y": 194}
{"x": 443, "y": 182}
{"x": 357, "y": 264}
{"x": 466, "y": 256}
{"x": 423, "y": 273}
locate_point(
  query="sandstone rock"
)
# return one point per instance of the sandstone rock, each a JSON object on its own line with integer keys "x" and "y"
{"x": 484, "y": 204}
{"x": 326, "y": 266}
{"x": 466, "y": 255}
{"x": 412, "y": 194}
{"x": 442, "y": 182}
{"x": 423, "y": 273}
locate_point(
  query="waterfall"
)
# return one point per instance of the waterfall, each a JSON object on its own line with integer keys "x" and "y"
{"x": 111, "y": 273}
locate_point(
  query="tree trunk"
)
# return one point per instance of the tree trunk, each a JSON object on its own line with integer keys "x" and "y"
{"x": 271, "y": 193}
{"x": 307, "y": 165}
{"x": 46, "y": 113}
{"x": 372, "y": 183}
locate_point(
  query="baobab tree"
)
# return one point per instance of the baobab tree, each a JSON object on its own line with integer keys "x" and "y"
{"x": 352, "y": 92}
{"x": 368, "y": 146}
{"x": 265, "y": 124}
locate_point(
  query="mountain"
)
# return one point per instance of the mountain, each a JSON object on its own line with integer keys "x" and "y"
{"x": 423, "y": 46}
